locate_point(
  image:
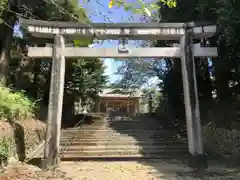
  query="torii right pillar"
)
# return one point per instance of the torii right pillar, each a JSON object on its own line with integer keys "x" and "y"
{"x": 197, "y": 159}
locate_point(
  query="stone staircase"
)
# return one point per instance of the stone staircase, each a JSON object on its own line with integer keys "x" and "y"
{"x": 138, "y": 138}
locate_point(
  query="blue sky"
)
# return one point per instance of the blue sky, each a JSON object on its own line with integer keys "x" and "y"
{"x": 98, "y": 12}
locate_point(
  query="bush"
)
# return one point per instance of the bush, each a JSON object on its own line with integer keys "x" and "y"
{"x": 15, "y": 105}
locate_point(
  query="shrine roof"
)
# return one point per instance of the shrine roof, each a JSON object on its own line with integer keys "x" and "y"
{"x": 120, "y": 93}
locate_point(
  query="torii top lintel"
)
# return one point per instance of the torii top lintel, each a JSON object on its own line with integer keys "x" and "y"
{"x": 134, "y": 31}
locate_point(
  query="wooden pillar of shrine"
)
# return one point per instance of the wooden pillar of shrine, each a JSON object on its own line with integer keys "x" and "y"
{"x": 98, "y": 103}
{"x": 106, "y": 105}
{"x": 128, "y": 107}
{"x": 138, "y": 105}
{"x": 134, "y": 107}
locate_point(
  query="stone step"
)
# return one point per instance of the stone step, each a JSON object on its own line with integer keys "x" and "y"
{"x": 121, "y": 139}
{"x": 122, "y": 142}
{"x": 95, "y": 156}
{"x": 109, "y": 136}
{"x": 68, "y": 152}
{"x": 117, "y": 130}
{"x": 117, "y": 134}
{"x": 167, "y": 134}
{"x": 81, "y": 137}
{"x": 118, "y": 138}
{"x": 125, "y": 143}
{"x": 90, "y": 128}
{"x": 122, "y": 155}
{"x": 112, "y": 157}
{"x": 125, "y": 148}
{"x": 119, "y": 151}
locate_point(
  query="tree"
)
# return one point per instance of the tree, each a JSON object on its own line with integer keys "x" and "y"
{"x": 84, "y": 80}
{"x": 12, "y": 10}
{"x": 136, "y": 73}
{"x": 84, "y": 77}
{"x": 223, "y": 75}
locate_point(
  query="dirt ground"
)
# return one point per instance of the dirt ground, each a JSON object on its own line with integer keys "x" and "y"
{"x": 116, "y": 170}
{"x": 31, "y": 124}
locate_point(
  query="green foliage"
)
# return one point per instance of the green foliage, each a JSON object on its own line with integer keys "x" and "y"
{"x": 14, "y": 105}
{"x": 4, "y": 148}
{"x": 141, "y": 7}
{"x": 82, "y": 42}
{"x": 3, "y": 5}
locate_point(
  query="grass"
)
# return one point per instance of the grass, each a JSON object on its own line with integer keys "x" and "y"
{"x": 15, "y": 105}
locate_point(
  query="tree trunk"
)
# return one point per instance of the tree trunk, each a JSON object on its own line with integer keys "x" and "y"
{"x": 68, "y": 109}
{"x": 222, "y": 80}
{"x": 205, "y": 86}
{"x": 222, "y": 68}
{"x": 35, "y": 89}
{"x": 6, "y": 42}
{"x": 47, "y": 86}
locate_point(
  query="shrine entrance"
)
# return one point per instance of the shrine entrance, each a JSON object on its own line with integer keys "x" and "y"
{"x": 118, "y": 102}
{"x": 186, "y": 34}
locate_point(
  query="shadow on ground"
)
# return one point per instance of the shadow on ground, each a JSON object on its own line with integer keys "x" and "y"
{"x": 150, "y": 135}
{"x": 171, "y": 150}
{"x": 78, "y": 120}
{"x": 35, "y": 162}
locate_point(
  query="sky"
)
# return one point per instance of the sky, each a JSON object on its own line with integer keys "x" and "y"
{"x": 99, "y": 12}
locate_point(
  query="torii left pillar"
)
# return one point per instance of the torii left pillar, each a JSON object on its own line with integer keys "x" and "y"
{"x": 52, "y": 143}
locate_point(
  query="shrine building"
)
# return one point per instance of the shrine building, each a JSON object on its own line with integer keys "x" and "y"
{"x": 122, "y": 101}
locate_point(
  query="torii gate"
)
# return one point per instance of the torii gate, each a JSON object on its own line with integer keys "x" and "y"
{"x": 184, "y": 32}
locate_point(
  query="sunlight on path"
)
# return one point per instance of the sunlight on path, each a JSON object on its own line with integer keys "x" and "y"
{"x": 133, "y": 170}
{"x": 110, "y": 170}
{"x": 124, "y": 170}
{"x": 116, "y": 170}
